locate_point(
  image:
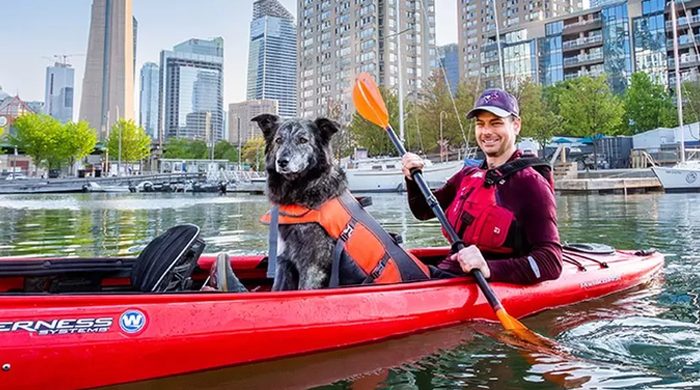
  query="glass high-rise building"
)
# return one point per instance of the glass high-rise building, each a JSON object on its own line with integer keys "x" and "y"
{"x": 58, "y": 97}
{"x": 148, "y": 102}
{"x": 272, "y": 57}
{"x": 449, "y": 60}
{"x": 191, "y": 90}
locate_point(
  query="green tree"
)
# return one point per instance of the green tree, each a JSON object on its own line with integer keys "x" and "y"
{"x": 80, "y": 140}
{"x": 588, "y": 107}
{"x": 186, "y": 149}
{"x": 135, "y": 143}
{"x": 254, "y": 152}
{"x": 41, "y": 137}
{"x": 647, "y": 105}
{"x": 691, "y": 101}
{"x": 225, "y": 151}
{"x": 538, "y": 119}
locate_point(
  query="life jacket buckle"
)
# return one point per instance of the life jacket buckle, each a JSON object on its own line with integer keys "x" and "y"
{"x": 345, "y": 234}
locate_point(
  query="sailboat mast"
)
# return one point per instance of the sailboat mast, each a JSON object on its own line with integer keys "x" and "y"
{"x": 398, "y": 48}
{"x": 676, "y": 63}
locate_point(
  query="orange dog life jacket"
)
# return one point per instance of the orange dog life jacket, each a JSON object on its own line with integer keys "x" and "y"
{"x": 364, "y": 252}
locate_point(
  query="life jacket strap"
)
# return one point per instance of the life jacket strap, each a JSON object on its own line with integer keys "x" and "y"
{"x": 338, "y": 250}
{"x": 500, "y": 174}
{"x": 272, "y": 241}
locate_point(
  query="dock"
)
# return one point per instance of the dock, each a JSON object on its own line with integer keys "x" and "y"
{"x": 608, "y": 181}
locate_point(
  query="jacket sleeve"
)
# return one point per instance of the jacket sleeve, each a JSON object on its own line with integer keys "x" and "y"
{"x": 444, "y": 195}
{"x": 536, "y": 213}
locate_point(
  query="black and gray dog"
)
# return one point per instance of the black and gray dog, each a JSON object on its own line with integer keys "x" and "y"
{"x": 300, "y": 171}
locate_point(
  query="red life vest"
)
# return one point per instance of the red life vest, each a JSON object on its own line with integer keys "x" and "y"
{"x": 475, "y": 213}
{"x": 364, "y": 253}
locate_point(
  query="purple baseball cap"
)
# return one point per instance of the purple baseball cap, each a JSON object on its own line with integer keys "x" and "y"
{"x": 497, "y": 102}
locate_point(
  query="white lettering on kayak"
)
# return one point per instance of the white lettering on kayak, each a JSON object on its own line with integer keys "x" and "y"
{"x": 593, "y": 283}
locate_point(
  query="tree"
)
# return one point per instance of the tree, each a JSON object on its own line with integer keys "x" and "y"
{"x": 225, "y": 151}
{"x": 342, "y": 141}
{"x": 40, "y": 136}
{"x": 81, "y": 140}
{"x": 588, "y": 108}
{"x": 691, "y": 101}
{"x": 135, "y": 143}
{"x": 254, "y": 152}
{"x": 538, "y": 119}
{"x": 647, "y": 105}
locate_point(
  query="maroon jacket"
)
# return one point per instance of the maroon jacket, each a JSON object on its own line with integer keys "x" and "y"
{"x": 528, "y": 196}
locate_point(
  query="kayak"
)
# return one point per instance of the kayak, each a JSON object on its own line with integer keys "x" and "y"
{"x": 77, "y": 323}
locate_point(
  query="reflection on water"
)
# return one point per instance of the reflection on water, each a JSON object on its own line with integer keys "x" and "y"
{"x": 647, "y": 338}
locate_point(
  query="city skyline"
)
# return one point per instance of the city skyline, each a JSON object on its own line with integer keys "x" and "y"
{"x": 49, "y": 28}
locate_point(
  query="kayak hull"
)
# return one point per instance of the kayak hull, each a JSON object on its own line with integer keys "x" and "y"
{"x": 50, "y": 340}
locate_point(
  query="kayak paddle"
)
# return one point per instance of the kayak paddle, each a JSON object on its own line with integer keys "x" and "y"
{"x": 370, "y": 104}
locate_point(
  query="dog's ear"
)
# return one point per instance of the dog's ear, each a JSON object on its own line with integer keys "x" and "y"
{"x": 327, "y": 127}
{"x": 268, "y": 123}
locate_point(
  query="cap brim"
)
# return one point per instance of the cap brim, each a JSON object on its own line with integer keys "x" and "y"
{"x": 494, "y": 110}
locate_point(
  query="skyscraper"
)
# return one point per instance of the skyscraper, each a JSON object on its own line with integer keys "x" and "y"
{"x": 449, "y": 60}
{"x": 108, "y": 84}
{"x": 58, "y": 96}
{"x": 477, "y": 28}
{"x": 191, "y": 90}
{"x": 272, "y": 57}
{"x": 241, "y": 129}
{"x": 148, "y": 101}
{"x": 338, "y": 40}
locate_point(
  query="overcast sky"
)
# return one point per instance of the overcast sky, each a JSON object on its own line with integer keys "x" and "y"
{"x": 35, "y": 30}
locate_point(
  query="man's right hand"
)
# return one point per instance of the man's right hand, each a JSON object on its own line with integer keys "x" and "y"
{"x": 410, "y": 161}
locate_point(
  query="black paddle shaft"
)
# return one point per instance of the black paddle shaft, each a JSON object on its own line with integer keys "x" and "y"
{"x": 435, "y": 207}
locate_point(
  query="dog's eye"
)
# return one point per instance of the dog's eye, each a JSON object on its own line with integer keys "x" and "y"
{"x": 278, "y": 140}
{"x": 303, "y": 140}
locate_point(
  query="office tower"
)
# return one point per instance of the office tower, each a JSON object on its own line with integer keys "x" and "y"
{"x": 272, "y": 57}
{"x": 58, "y": 95}
{"x": 148, "y": 101}
{"x": 191, "y": 90}
{"x": 477, "y": 25}
{"x": 338, "y": 40}
{"x": 108, "y": 84}
{"x": 241, "y": 129}
{"x": 449, "y": 61}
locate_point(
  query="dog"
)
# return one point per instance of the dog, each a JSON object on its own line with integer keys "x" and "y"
{"x": 300, "y": 171}
{"x": 302, "y": 180}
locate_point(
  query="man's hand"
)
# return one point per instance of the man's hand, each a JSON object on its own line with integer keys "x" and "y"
{"x": 410, "y": 161}
{"x": 470, "y": 258}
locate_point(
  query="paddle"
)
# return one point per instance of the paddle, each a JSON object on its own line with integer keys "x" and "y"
{"x": 370, "y": 104}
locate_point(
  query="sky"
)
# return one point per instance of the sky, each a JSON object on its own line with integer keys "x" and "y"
{"x": 36, "y": 30}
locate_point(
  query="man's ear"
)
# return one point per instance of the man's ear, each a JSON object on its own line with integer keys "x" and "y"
{"x": 517, "y": 122}
{"x": 327, "y": 127}
{"x": 268, "y": 123}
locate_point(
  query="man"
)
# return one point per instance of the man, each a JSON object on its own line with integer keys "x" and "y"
{"x": 503, "y": 210}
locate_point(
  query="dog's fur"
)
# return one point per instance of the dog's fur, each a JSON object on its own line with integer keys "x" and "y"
{"x": 300, "y": 171}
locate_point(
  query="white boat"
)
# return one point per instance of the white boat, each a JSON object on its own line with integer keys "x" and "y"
{"x": 385, "y": 175}
{"x": 683, "y": 177}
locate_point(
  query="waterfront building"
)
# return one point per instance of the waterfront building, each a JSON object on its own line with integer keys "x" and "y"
{"x": 477, "y": 24}
{"x": 11, "y": 107}
{"x": 190, "y": 101}
{"x": 148, "y": 101}
{"x": 449, "y": 61}
{"x": 338, "y": 40}
{"x": 58, "y": 95}
{"x": 241, "y": 129}
{"x": 272, "y": 56}
{"x": 108, "y": 84}
{"x": 615, "y": 39}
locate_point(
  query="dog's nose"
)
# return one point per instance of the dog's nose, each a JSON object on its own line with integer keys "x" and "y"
{"x": 282, "y": 162}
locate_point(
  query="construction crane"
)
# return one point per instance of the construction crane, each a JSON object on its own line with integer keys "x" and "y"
{"x": 62, "y": 58}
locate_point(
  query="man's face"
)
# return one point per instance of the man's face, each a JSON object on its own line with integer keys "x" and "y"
{"x": 496, "y": 135}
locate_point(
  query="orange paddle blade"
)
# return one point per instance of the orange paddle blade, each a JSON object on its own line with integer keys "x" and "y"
{"x": 368, "y": 101}
{"x": 519, "y": 329}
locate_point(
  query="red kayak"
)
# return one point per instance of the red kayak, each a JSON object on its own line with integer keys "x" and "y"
{"x": 77, "y": 323}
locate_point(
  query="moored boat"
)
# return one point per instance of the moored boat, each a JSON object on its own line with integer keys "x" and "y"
{"x": 61, "y": 315}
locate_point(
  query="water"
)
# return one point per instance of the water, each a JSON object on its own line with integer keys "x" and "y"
{"x": 647, "y": 338}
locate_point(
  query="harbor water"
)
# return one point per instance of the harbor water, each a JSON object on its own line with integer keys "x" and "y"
{"x": 645, "y": 338}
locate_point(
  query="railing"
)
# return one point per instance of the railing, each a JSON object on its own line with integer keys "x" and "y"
{"x": 682, "y": 21}
{"x": 583, "y": 58}
{"x": 693, "y": 59}
{"x": 582, "y": 41}
{"x": 582, "y": 23}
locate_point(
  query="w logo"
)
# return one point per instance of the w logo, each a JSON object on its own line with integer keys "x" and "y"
{"x": 132, "y": 321}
